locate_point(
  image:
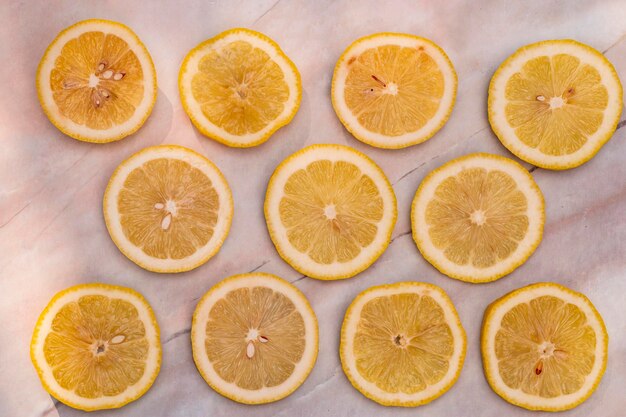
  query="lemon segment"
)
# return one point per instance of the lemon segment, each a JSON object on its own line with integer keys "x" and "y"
{"x": 330, "y": 211}
{"x": 254, "y": 338}
{"x": 393, "y": 90}
{"x": 478, "y": 217}
{"x": 402, "y": 344}
{"x": 168, "y": 209}
{"x": 544, "y": 347}
{"x": 239, "y": 87}
{"x": 555, "y": 103}
{"x": 96, "y": 346}
{"x": 96, "y": 81}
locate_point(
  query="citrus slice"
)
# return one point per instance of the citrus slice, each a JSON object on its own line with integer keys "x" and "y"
{"x": 330, "y": 211}
{"x": 478, "y": 217}
{"x": 544, "y": 347}
{"x": 96, "y": 346}
{"x": 393, "y": 90}
{"x": 96, "y": 81}
{"x": 402, "y": 344}
{"x": 239, "y": 87}
{"x": 254, "y": 338}
{"x": 555, "y": 103}
{"x": 168, "y": 208}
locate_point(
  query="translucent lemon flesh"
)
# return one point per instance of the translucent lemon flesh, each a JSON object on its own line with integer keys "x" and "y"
{"x": 97, "y": 346}
{"x": 555, "y": 103}
{"x": 477, "y": 217}
{"x": 254, "y": 338}
{"x": 97, "y": 81}
{"x": 331, "y": 211}
{"x": 545, "y": 347}
{"x": 393, "y": 90}
{"x": 240, "y": 88}
{"x": 403, "y": 343}
{"x": 168, "y": 208}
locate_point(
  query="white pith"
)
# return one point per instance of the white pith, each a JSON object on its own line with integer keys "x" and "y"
{"x": 303, "y": 261}
{"x": 198, "y": 338}
{"x": 349, "y": 331}
{"x": 132, "y": 392}
{"x": 136, "y": 254}
{"x": 190, "y": 68}
{"x": 149, "y": 78}
{"x": 378, "y": 139}
{"x": 535, "y": 214}
{"x": 514, "y": 64}
{"x": 492, "y": 321}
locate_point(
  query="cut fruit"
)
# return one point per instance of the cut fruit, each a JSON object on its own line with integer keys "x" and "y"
{"x": 393, "y": 90}
{"x": 168, "y": 208}
{"x": 544, "y": 347}
{"x": 554, "y": 104}
{"x": 96, "y": 81}
{"x": 96, "y": 346}
{"x": 254, "y": 338}
{"x": 330, "y": 211}
{"x": 239, "y": 87}
{"x": 402, "y": 344}
{"x": 478, "y": 217}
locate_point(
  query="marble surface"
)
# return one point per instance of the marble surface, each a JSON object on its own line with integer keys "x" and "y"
{"x": 52, "y": 234}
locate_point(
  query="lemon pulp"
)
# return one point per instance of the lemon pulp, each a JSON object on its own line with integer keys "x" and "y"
{"x": 331, "y": 210}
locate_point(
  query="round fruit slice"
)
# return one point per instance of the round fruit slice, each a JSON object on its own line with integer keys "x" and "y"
{"x": 168, "y": 208}
{"x": 544, "y": 347}
{"x": 330, "y": 211}
{"x": 402, "y": 344}
{"x": 555, "y": 103}
{"x": 96, "y": 81}
{"x": 393, "y": 90}
{"x": 96, "y": 346}
{"x": 478, "y": 217}
{"x": 254, "y": 338}
{"x": 239, "y": 87}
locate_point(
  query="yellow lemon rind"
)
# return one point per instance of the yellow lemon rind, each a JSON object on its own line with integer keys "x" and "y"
{"x": 514, "y": 146}
{"x": 276, "y": 124}
{"x": 486, "y": 324}
{"x": 466, "y": 278}
{"x": 375, "y": 143}
{"x": 218, "y": 244}
{"x": 57, "y": 123}
{"x": 344, "y": 357}
{"x": 38, "y": 329}
{"x": 195, "y": 333}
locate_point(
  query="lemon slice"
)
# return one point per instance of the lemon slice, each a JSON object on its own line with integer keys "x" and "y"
{"x": 478, "y": 217}
{"x": 393, "y": 90}
{"x": 96, "y": 81}
{"x": 544, "y": 347}
{"x": 239, "y": 87}
{"x": 555, "y": 103}
{"x": 402, "y": 344}
{"x": 330, "y": 211}
{"x": 96, "y": 346}
{"x": 168, "y": 208}
{"x": 254, "y": 338}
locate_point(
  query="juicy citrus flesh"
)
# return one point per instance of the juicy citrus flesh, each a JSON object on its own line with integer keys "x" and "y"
{"x": 477, "y": 217}
{"x": 240, "y": 88}
{"x": 545, "y": 347}
{"x": 168, "y": 208}
{"x": 97, "y": 346}
{"x": 393, "y": 90}
{"x": 97, "y": 80}
{"x": 330, "y": 210}
{"x": 403, "y": 343}
{"x": 555, "y": 103}
{"x": 254, "y": 337}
